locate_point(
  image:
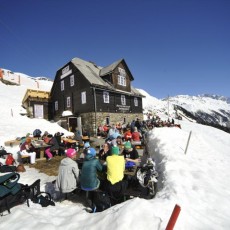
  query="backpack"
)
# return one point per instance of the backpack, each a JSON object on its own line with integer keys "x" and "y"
{"x": 7, "y": 168}
{"x": 13, "y": 193}
{"x": 101, "y": 201}
{"x": 10, "y": 192}
{"x": 44, "y": 200}
{"x": 2, "y": 151}
{"x": 10, "y": 160}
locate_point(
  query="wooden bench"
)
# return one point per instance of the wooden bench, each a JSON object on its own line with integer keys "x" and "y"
{"x": 12, "y": 143}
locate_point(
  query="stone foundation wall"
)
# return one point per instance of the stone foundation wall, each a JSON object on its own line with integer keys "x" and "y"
{"x": 90, "y": 121}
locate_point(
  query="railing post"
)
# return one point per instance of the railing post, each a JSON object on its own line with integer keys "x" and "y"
{"x": 190, "y": 133}
{"x": 173, "y": 218}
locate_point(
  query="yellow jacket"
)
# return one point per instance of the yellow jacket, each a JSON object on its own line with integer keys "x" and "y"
{"x": 115, "y": 168}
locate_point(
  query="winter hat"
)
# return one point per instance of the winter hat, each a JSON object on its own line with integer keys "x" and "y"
{"x": 128, "y": 145}
{"x": 135, "y": 129}
{"x": 115, "y": 150}
{"x": 91, "y": 152}
{"x": 71, "y": 152}
{"x": 86, "y": 145}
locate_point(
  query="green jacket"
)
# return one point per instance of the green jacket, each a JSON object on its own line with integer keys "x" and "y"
{"x": 88, "y": 178}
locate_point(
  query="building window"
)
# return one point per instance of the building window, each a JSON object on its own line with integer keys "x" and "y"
{"x": 135, "y": 101}
{"x": 65, "y": 70}
{"x": 106, "y": 97}
{"x": 56, "y": 105}
{"x": 62, "y": 85}
{"x": 123, "y": 101}
{"x": 68, "y": 102}
{"x": 121, "y": 80}
{"x": 83, "y": 97}
{"x": 122, "y": 72}
{"x": 72, "y": 80}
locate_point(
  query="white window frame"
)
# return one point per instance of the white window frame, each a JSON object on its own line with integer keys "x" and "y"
{"x": 122, "y": 71}
{"x": 135, "y": 101}
{"x": 62, "y": 85}
{"x": 123, "y": 100}
{"x": 106, "y": 96}
{"x": 56, "y": 105}
{"x": 72, "y": 80}
{"x": 68, "y": 102}
{"x": 83, "y": 97}
{"x": 121, "y": 80}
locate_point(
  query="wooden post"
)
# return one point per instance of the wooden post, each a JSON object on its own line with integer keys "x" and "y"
{"x": 190, "y": 133}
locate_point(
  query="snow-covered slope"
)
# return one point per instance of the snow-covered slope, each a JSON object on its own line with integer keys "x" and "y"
{"x": 205, "y": 108}
{"x": 10, "y": 103}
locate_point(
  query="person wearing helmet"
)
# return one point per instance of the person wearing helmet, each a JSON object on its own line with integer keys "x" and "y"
{"x": 85, "y": 149}
{"x": 90, "y": 167}
{"x": 68, "y": 173}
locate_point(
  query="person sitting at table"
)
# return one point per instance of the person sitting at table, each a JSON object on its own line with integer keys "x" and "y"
{"x": 44, "y": 135}
{"x": 47, "y": 138}
{"x": 104, "y": 152}
{"x": 127, "y": 135}
{"x": 26, "y": 149}
{"x": 58, "y": 143}
{"x": 85, "y": 149}
{"x": 90, "y": 167}
{"x": 115, "y": 185}
{"x": 117, "y": 141}
{"x": 112, "y": 132}
{"x": 50, "y": 140}
{"x": 68, "y": 173}
{"x": 56, "y": 148}
{"x": 130, "y": 153}
{"x": 78, "y": 137}
{"x": 136, "y": 136}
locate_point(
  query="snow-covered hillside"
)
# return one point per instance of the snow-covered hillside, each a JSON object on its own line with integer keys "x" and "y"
{"x": 11, "y": 104}
{"x": 197, "y": 181}
{"x": 207, "y": 109}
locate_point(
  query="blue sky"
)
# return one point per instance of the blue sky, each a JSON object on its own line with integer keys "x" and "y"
{"x": 171, "y": 47}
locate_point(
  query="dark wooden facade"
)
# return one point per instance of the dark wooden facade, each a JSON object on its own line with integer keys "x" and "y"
{"x": 107, "y": 91}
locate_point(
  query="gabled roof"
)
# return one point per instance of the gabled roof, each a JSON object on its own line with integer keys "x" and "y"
{"x": 92, "y": 73}
{"x": 110, "y": 68}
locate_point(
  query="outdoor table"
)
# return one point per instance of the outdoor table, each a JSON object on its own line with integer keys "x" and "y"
{"x": 41, "y": 146}
{"x": 86, "y": 138}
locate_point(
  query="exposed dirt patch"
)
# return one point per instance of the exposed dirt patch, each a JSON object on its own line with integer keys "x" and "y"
{"x": 49, "y": 167}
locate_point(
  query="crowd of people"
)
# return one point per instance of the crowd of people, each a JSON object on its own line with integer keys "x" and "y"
{"x": 103, "y": 169}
